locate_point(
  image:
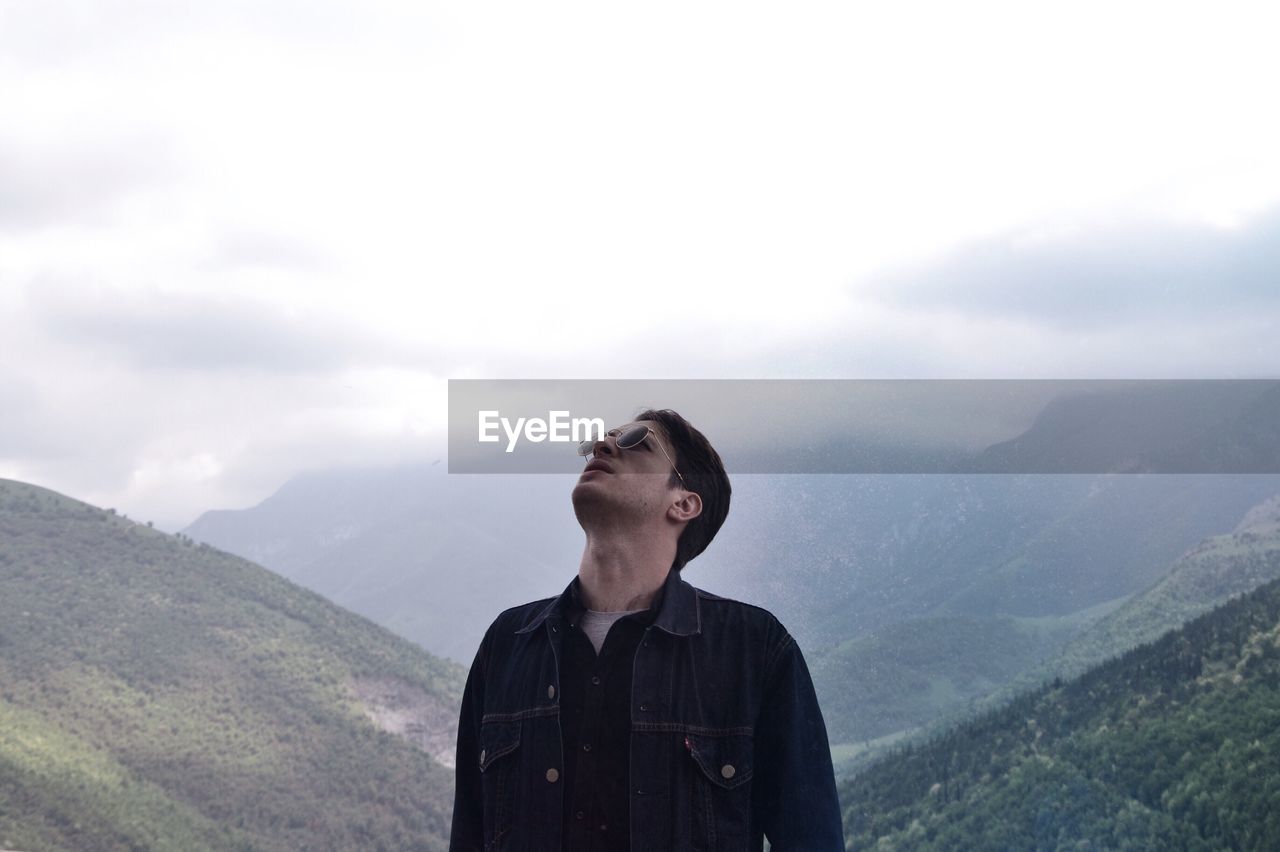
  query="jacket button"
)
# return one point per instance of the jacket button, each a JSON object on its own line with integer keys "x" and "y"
{"x": 727, "y": 771}
{"x": 482, "y": 754}
{"x": 552, "y": 775}
{"x": 551, "y": 691}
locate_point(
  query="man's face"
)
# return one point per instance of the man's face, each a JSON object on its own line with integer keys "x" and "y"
{"x": 631, "y": 480}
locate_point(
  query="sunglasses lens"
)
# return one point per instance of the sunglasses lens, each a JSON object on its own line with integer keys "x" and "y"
{"x": 632, "y": 436}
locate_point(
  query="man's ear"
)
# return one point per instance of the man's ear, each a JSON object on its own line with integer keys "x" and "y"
{"x": 686, "y": 508}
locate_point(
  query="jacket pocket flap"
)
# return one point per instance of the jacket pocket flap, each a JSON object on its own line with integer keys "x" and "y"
{"x": 497, "y": 739}
{"x": 726, "y": 761}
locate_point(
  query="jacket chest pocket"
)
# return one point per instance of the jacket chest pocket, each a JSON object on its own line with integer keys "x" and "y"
{"x": 721, "y": 806}
{"x": 499, "y": 758}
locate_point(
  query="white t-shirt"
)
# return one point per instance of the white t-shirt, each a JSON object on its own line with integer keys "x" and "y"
{"x": 596, "y": 624}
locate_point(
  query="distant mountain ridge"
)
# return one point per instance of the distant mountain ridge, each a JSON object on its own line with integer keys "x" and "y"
{"x": 1204, "y": 427}
{"x": 434, "y": 556}
{"x": 431, "y": 556}
{"x": 157, "y": 693}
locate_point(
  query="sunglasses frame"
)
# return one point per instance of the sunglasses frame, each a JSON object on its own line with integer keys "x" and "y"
{"x": 587, "y": 448}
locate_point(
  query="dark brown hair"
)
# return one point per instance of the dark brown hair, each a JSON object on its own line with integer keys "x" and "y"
{"x": 703, "y": 473}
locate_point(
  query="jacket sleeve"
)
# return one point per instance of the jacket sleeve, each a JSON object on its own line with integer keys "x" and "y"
{"x": 795, "y": 787}
{"x": 467, "y": 832}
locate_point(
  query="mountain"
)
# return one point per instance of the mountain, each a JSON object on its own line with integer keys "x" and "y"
{"x": 435, "y": 556}
{"x": 1172, "y": 746}
{"x": 431, "y": 556}
{"x": 930, "y": 671}
{"x": 156, "y": 693}
{"x": 914, "y": 597}
{"x": 916, "y": 673}
{"x": 926, "y": 674}
{"x": 1218, "y": 568}
{"x": 844, "y": 557}
{"x": 1213, "y": 426}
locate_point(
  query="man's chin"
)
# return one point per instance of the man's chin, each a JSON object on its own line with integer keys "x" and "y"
{"x": 588, "y": 498}
{"x": 584, "y": 489}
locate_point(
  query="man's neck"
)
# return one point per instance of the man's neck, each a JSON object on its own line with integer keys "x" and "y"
{"x": 622, "y": 571}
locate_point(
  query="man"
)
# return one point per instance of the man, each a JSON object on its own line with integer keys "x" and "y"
{"x": 635, "y": 712}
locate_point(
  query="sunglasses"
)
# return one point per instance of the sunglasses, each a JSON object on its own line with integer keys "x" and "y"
{"x": 627, "y": 438}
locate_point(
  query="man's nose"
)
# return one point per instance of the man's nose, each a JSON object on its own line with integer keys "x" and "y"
{"x": 605, "y": 446}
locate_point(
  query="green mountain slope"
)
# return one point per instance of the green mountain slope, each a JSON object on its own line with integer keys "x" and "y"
{"x": 1175, "y": 745}
{"x": 930, "y": 673}
{"x": 1208, "y": 574}
{"x": 155, "y": 693}
{"x": 917, "y": 672}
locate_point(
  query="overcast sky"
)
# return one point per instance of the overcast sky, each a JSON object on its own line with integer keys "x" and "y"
{"x": 239, "y": 240}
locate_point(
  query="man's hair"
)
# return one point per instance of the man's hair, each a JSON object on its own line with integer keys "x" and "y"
{"x": 703, "y": 473}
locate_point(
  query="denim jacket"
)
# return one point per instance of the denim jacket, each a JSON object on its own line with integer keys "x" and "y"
{"x": 727, "y": 742}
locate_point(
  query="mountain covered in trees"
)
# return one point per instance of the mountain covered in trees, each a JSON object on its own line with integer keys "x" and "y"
{"x": 1216, "y": 569}
{"x": 1174, "y": 745}
{"x": 159, "y": 694}
{"x": 932, "y": 671}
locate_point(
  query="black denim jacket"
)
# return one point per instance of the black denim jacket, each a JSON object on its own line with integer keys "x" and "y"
{"x": 727, "y": 741}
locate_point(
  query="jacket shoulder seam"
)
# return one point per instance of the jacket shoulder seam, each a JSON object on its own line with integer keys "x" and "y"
{"x": 518, "y": 616}
{"x": 708, "y": 596}
{"x": 784, "y": 644}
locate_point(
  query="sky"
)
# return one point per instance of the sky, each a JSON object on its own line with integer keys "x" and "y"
{"x": 241, "y": 240}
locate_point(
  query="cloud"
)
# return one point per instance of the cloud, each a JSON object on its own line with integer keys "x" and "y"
{"x": 239, "y": 248}
{"x": 158, "y": 330}
{"x": 22, "y": 434}
{"x": 168, "y": 444}
{"x": 238, "y": 240}
{"x": 1102, "y": 278}
{"x": 66, "y": 182}
{"x": 45, "y": 34}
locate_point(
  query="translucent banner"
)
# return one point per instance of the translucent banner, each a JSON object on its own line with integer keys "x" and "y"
{"x": 885, "y": 426}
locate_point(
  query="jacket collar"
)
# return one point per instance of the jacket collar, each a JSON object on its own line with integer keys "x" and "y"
{"x": 678, "y": 610}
